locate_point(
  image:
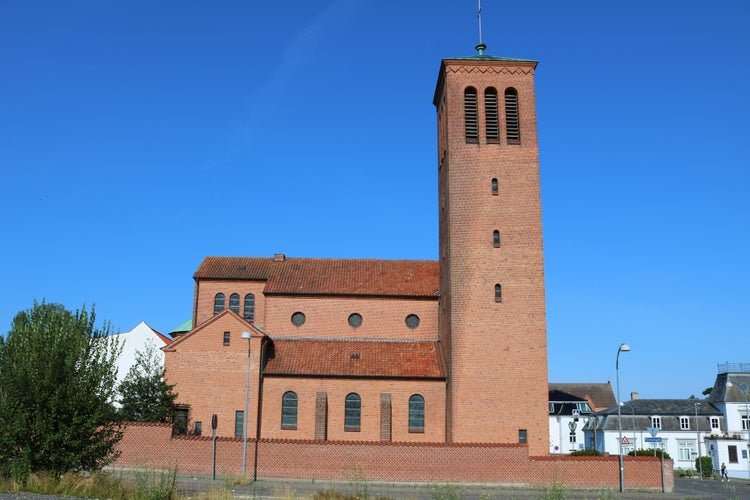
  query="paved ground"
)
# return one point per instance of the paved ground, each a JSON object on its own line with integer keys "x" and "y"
{"x": 684, "y": 488}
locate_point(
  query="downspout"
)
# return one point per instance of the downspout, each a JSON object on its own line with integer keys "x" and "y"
{"x": 260, "y": 406}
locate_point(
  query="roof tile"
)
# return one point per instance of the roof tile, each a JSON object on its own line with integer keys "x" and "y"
{"x": 353, "y": 358}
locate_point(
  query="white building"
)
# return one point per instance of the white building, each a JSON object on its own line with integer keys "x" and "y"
{"x": 570, "y": 406}
{"x": 136, "y": 340}
{"x": 730, "y": 394}
{"x": 681, "y": 427}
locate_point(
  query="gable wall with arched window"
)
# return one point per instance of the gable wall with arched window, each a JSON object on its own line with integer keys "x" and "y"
{"x": 206, "y": 291}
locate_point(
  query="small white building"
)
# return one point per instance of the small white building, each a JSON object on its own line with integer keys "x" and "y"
{"x": 570, "y": 406}
{"x": 680, "y": 427}
{"x": 731, "y": 394}
{"x": 136, "y": 340}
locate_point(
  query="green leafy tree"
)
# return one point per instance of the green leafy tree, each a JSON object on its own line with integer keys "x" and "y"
{"x": 57, "y": 386}
{"x": 144, "y": 394}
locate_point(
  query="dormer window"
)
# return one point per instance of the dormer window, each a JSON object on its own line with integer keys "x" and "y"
{"x": 685, "y": 423}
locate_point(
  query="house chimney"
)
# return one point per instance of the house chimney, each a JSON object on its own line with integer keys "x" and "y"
{"x": 279, "y": 257}
{"x": 633, "y": 396}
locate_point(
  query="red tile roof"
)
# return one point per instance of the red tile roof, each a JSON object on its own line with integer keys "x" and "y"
{"x": 353, "y": 358}
{"x": 403, "y": 278}
{"x": 234, "y": 268}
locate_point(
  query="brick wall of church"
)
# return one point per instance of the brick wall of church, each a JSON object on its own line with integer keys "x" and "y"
{"x": 151, "y": 446}
{"x": 206, "y": 290}
{"x": 307, "y": 390}
{"x": 382, "y": 318}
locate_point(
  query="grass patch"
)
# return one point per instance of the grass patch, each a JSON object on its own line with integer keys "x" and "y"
{"x": 146, "y": 485}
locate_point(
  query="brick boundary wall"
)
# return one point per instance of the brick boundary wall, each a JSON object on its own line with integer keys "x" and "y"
{"x": 152, "y": 446}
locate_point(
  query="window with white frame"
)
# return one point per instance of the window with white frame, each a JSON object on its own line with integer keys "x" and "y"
{"x": 583, "y": 407}
{"x": 685, "y": 423}
{"x": 745, "y": 422}
{"x": 656, "y": 422}
{"x": 715, "y": 424}
{"x": 685, "y": 450}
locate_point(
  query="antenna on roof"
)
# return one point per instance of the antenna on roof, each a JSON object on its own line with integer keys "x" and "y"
{"x": 480, "y": 46}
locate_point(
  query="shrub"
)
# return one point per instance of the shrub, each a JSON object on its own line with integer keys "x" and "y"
{"x": 707, "y": 466}
{"x": 585, "y": 453}
{"x": 649, "y": 453}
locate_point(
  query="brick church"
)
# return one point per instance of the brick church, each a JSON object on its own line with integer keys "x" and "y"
{"x": 447, "y": 351}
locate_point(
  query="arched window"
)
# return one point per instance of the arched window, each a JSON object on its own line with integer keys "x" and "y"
{"x": 234, "y": 303}
{"x": 416, "y": 413}
{"x": 490, "y": 115}
{"x": 289, "y": 411}
{"x": 471, "y": 115}
{"x": 352, "y": 412}
{"x": 512, "y": 126}
{"x": 498, "y": 293}
{"x": 218, "y": 303}
{"x": 494, "y": 187}
{"x": 496, "y": 238}
{"x": 249, "y": 308}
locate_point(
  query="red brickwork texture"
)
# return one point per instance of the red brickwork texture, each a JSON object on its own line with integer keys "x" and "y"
{"x": 496, "y": 350}
{"x": 152, "y": 446}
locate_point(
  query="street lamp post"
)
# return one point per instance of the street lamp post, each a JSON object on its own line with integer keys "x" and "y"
{"x": 246, "y": 335}
{"x": 623, "y": 348}
{"x": 698, "y": 428}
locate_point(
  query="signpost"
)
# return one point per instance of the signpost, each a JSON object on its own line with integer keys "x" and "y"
{"x": 653, "y": 439}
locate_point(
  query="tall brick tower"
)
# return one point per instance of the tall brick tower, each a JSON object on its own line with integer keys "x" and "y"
{"x": 492, "y": 311}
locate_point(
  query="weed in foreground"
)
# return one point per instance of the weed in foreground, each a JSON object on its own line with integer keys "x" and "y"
{"x": 446, "y": 492}
{"x": 555, "y": 492}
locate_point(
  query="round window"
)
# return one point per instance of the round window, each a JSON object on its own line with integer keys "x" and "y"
{"x": 355, "y": 320}
{"x": 412, "y": 321}
{"x": 298, "y": 319}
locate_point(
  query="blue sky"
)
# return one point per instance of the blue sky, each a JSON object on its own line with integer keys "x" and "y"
{"x": 138, "y": 137}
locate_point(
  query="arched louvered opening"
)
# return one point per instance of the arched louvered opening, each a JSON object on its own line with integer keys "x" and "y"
{"x": 498, "y": 293}
{"x": 495, "y": 188}
{"x": 496, "y": 238}
{"x": 471, "y": 115}
{"x": 492, "y": 124}
{"x": 512, "y": 126}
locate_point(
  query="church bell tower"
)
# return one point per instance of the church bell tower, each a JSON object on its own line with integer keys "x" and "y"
{"x": 492, "y": 310}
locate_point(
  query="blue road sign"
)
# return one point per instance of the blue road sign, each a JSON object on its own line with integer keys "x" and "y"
{"x": 653, "y": 440}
